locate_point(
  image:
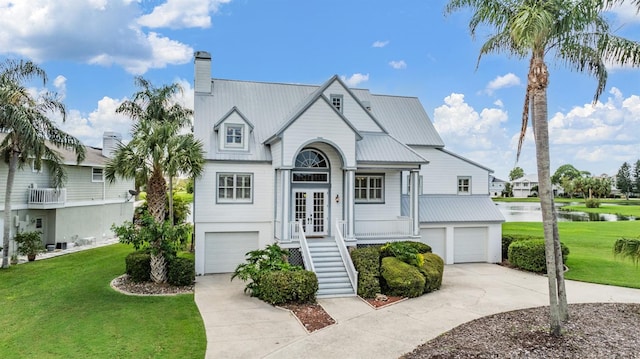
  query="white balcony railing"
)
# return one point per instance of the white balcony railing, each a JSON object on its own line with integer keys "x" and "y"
{"x": 47, "y": 196}
{"x": 383, "y": 228}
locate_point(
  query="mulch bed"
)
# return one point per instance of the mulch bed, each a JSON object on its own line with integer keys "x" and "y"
{"x": 312, "y": 316}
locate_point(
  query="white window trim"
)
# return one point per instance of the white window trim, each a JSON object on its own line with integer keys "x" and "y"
{"x": 93, "y": 174}
{"x": 337, "y": 97}
{"x": 234, "y": 188}
{"x": 234, "y": 145}
{"x": 463, "y": 193}
{"x": 368, "y": 199}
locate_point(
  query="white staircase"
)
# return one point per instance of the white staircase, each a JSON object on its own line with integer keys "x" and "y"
{"x": 333, "y": 279}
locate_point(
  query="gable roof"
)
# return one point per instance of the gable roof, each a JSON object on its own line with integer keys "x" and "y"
{"x": 533, "y": 177}
{"x": 381, "y": 147}
{"x": 233, "y": 110}
{"x": 465, "y": 159}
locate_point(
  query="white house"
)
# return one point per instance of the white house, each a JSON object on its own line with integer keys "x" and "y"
{"x": 82, "y": 212}
{"x": 319, "y": 168}
{"x": 496, "y": 186}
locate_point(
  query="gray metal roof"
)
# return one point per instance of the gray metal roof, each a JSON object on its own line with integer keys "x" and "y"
{"x": 380, "y": 147}
{"x": 454, "y": 208}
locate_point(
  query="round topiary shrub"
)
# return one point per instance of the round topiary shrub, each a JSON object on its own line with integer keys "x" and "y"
{"x": 432, "y": 270}
{"x": 295, "y": 286}
{"x": 508, "y": 239}
{"x": 181, "y": 271}
{"x": 401, "y": 279}
{"x": 138, "y": 266}
{"x": 529, "y": 255}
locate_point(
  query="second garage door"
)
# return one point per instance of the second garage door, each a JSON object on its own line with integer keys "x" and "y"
{"x": 225, "y": 250}
{"x": 470, "y": 244}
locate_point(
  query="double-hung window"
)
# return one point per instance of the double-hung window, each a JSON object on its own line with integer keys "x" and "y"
{"x": 464, "y": 185}
{"x": 97, "y": 174}
{"x": 369, "y": 188}
{"x": 235, "y": 187}
{"x": 234, "y": 136}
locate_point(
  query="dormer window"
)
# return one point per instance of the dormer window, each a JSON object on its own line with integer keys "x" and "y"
{"x": 234, "y": 135}
{"x": 337, "y": 101}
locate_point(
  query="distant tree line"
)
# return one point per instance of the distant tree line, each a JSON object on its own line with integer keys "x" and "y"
{"x": 628, "y": 179}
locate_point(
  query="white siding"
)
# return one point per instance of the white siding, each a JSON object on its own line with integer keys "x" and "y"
{"x": 440, "y": 176}
{"x": 276, "y": 154}
{"x": 203, "y": 124}
{"x": 352, "y": 110}
{"x": 391, "y": 208}
{"x": 436, "y": 238}
{"x": 318, "y": 123}
{"x": 233, "y": 119}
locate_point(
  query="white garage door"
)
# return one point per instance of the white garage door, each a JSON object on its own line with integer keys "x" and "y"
{"x": 470, "y": 244}
{"x": 435, "y": 238}
{"x": 225, "y": 250}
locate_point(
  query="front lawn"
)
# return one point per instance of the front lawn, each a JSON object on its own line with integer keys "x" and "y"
{"x": 591, "y": 245}
{"x": 64, "y": 308}
{"x": 628, "y": 210}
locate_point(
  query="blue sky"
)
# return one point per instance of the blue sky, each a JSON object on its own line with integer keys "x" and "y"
{"x": 92, "y": 49}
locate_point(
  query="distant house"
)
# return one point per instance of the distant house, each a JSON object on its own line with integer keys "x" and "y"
{"x": 319, "y": 168}
{"x": 527, "y": 186}
{"x": 496, "y": 186}
{"x": 80, "y": 212}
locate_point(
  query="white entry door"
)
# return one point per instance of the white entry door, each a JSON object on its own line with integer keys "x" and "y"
{"x": 311, "y": 207}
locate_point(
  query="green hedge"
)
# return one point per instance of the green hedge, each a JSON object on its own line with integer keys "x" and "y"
{"x": 432, "y": 270}
{"x": 401, "y": 279}
{"x": 529, "y": 255}
{"x": 508, "y": 239}
{"x": 367, "y": 262}
{"x": 406, "y": 251}
{"x": 181, "y": 271}
{"x": 138, "y": 266}
{"x": 279, "y": 287}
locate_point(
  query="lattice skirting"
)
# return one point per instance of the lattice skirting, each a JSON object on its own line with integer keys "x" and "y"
{"x": 295, "y": 257}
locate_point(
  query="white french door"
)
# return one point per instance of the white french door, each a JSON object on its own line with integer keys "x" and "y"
{"x": 311, "y": 208}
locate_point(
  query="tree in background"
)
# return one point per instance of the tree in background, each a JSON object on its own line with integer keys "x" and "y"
{"x": 565, "y": 171}
{"x": 636, "y": 177}
{"x": 623, "y": 179}
{"x": 578, "y": 35}
{"x": 26, "y": 132}
{"x": 515, "y": 173}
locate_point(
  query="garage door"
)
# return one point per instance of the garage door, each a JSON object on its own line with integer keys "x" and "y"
{"x": 225, "y": 250}
{"x": 470, "y": 244}
{"x": 435, "y": 238}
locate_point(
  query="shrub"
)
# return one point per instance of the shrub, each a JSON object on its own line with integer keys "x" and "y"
{"x": 432, "y": 270}
{"x": 278, "y": 287}
{"x": 628, "y": 248}
{"x": 529, "y": 255}
{"x": 406, "y": 251}
{"x": 367, "y": 262}
{"x": 508, "y": 239}
{"x": 181, "y": 272}
{"x": 138, "y": 266}
{"x": 592, "y": 203}
{"x": 401, "y": 279}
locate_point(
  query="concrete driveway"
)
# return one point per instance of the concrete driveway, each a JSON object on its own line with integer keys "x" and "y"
{"x": 239, "y": 326}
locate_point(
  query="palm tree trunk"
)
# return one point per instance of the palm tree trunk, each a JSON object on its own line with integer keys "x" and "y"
{"x": 538, "y": 79}
{"x": 13, "y": 165}
{"x": 562, "y": 292}
{"x": 156, "y": 199}
{"x": 171, "y": 200}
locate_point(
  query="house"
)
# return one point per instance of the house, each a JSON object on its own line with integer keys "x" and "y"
{"x": 496, "y": 186}
{"x": 525, "y": 186}
{"x": 319, "y": 168}
{"x": 80, "y": 213}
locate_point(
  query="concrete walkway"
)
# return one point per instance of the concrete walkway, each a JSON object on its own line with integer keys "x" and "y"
{"x": 239, "y": 326}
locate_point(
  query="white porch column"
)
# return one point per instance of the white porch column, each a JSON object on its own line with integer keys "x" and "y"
{"x": 414, "y": 182}
{"x": 349, "y": 202}
{"x": 285, "y": 180}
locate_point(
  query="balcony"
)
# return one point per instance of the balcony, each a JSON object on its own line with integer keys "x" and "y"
{"x": 47, "y": 198}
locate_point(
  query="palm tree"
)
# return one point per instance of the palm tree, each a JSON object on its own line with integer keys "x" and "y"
{"x": 27, "y": 133}
{"x": 576, "y": 33}
{"x": 157, "y": 149}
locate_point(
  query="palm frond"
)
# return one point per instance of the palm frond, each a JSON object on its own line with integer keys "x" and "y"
{"x": 628, "y": 248}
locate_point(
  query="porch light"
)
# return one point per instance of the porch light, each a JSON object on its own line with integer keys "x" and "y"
{"x": 337, "y": 198}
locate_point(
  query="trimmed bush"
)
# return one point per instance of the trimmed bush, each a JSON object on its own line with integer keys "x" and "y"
{"x": 432, "y": 270}
{"x": 182, "y": 271}
{"x": 401, "y": 279}
{"x": 592, "y": 203}
{"x": 529, "y": 255}
{"x": 367, "y": 262}
{"x": 508, "y": 239}
{"x": 279, "y": 287}
{"x": 406, "y": 251}
{"x": 138, "y": 266}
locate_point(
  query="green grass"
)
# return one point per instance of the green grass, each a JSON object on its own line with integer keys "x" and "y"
{"x": 591, "y": 246}
{"x": 64, "y": 308}
{"x": 622, "y": 202}
{"x": 621, "y": 210}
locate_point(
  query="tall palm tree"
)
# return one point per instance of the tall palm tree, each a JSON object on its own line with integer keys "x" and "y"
{"x": 576, "y": 33}
{"x": 158, "y": 148}
{"x": 27, "y": 133}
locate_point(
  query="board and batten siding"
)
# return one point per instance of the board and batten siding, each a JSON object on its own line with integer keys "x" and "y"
{"x": 391, "y": 208}
{"x": 351, "y": 109}
{"x": 440, "y": 176}
{"x": 318, "y": 119}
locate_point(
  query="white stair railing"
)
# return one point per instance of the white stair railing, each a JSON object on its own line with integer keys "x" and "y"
{"x": 298, "y": 230}
{"x": 346, "y": 258}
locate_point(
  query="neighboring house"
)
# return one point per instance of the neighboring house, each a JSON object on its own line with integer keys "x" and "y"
{"x": 81, "y": 212}
{"x": 313, "y": 168}
{"x": 496, "y": 186}
{"x": 527, "y": 186}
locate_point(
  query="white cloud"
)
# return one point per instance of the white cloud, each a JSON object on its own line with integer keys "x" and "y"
{"x": 626, "y": 13}
{"x": 508, "y": 80}
{"x": 96, "y": 31}
{"x": 380, "y": 43}
{"x": 498, "y": 103}
{"x": 60, "y": 84}
{"x": 178, "y": 14}
{"x": 398, "y": 65}
{"x": 355, "y": 79}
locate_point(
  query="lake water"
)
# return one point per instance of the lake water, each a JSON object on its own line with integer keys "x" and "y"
{"x": 530, "y": 212}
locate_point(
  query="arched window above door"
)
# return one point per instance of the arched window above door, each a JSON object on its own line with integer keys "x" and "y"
{"x": 310, "y": 158}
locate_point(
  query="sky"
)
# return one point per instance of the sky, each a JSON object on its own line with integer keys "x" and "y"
{"x": 93, "y": 49}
